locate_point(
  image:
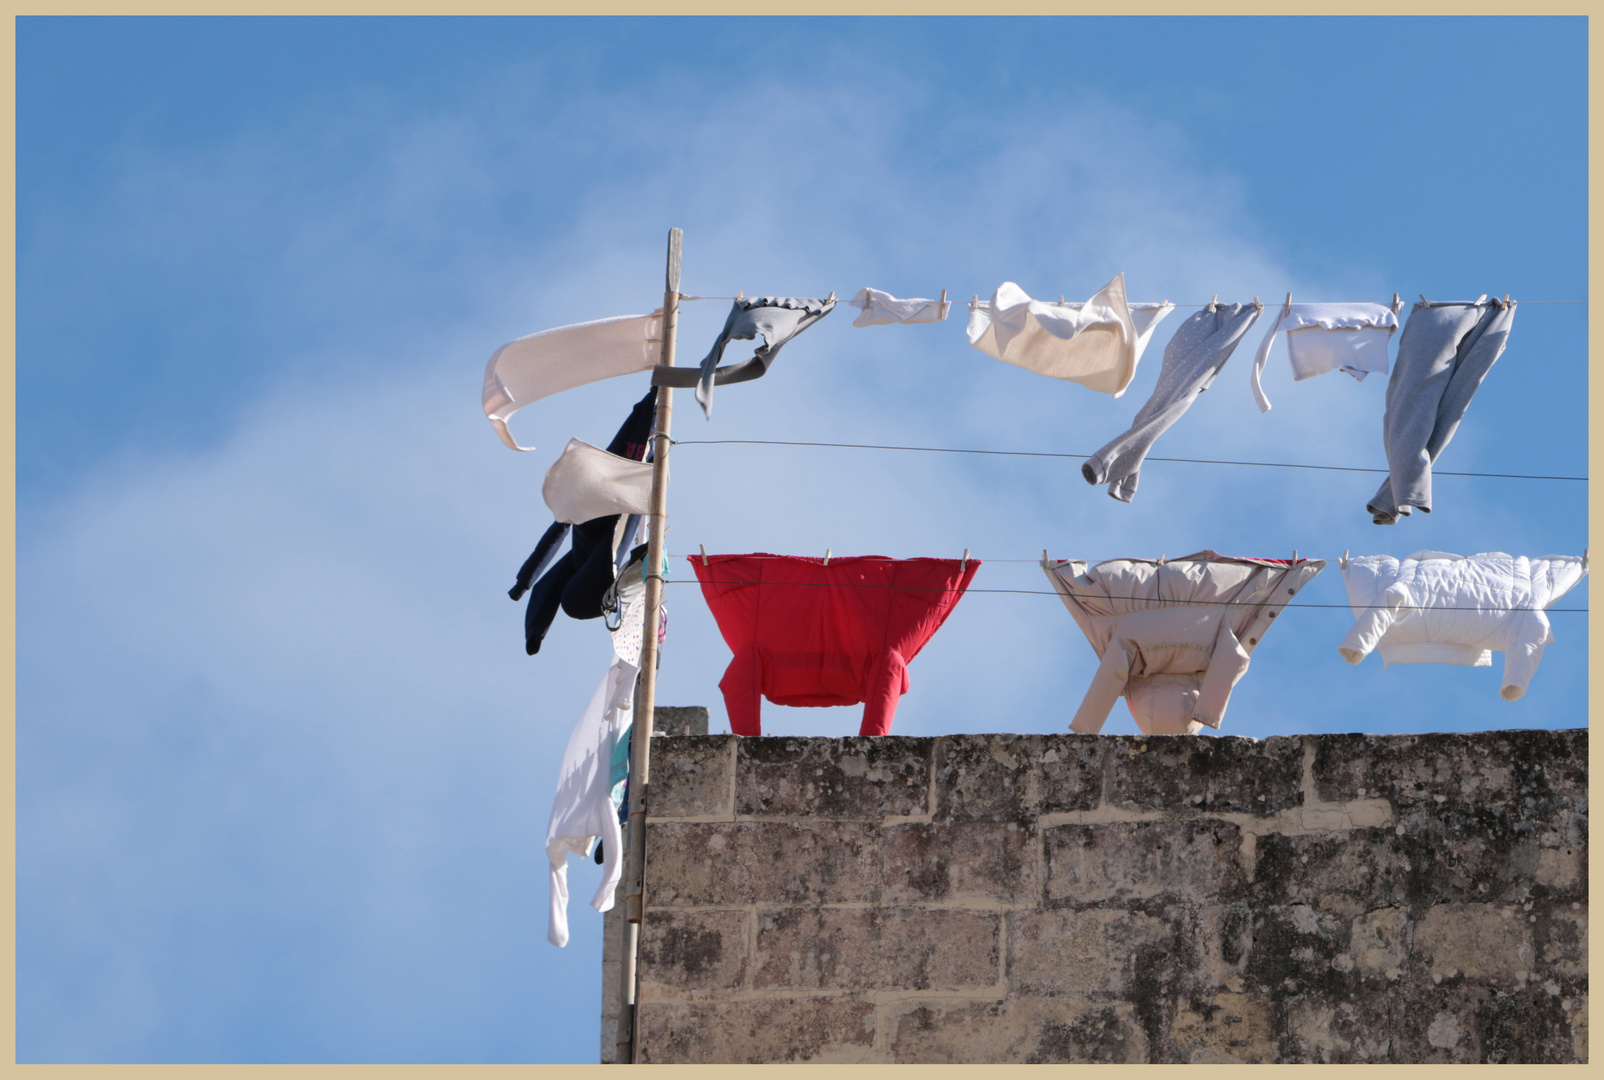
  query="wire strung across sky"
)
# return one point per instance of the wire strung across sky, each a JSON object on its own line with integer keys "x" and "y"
{"x": 1052, "y": 592}
{"x": 1047, "y": 454}
{"x": 687, "y": 298}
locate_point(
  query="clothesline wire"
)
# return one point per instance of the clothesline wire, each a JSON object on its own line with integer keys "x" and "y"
{"x": 1050, "y": 592}
{"x": 1046, "y": 454}
{"x": 956, "y": 302}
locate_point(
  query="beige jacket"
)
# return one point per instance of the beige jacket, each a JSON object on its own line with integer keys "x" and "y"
{"x": 1174, "y": 636}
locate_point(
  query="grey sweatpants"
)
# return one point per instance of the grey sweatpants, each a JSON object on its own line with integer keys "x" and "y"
{"x": 1197, "y": 352}
{"x": 776, "y": 319}
{"x": 1444, "y": 352}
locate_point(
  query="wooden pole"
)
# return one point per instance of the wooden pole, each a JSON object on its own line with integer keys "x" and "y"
{"x": 640, "y": 765}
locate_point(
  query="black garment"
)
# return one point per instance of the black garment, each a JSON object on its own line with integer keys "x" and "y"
{"x": 578, "y": 579}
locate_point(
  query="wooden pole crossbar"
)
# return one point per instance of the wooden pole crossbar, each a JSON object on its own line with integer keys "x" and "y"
{"x": 640, "y": 750}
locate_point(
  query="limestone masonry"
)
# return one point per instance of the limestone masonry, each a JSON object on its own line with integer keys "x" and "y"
{"x": 1066, "y": 898}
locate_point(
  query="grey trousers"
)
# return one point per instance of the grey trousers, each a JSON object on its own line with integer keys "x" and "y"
{"x": 1197, "y": 352}
{"x": 1444, "y": 352}
{"x": 777, "y": 319}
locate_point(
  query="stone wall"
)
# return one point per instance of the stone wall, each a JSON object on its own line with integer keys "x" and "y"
{"x": 1002, "y": 898}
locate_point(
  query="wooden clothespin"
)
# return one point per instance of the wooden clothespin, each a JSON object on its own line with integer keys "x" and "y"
{"x": 1343, "y": 563}
{"x": 1213, "y": 302}
{"x": 1397, "y": 303}
{"x": 1256, "y": 305}
{"x": 1161, "y": 560}
{"x": 826, "y": 556}
{"x": 1423, "y": 301}
{"x": 704, "y": 553}
{"x": 1294, "y": 556}
{"x": 741, "y": 295}
{"x": 1044, "y": 558}
{"x": 1506, "y": 299}
{"x": 942, "y": 310}
{"x": 1060, "y": 299}
{"x": 1482, "y": 299}
{"x": 1289, "y": 299}
{"x": 832, "y": 297}
{"x": 963, "y": 564}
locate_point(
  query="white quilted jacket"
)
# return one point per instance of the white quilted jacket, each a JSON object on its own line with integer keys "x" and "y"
{"x": 1437, "y": 608}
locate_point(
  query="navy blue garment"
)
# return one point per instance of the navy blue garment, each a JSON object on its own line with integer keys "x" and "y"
{"x": 576, "y": 581}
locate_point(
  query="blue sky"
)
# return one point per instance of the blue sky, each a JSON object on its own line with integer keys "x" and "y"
{"x": 283, "y": 767}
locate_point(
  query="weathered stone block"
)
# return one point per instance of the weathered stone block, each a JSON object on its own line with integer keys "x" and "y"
{"x": 1345, "y": 873}
{"x": 679, "y": 720}
{"x": 1561, "y": 939}
{"x": 691, "y": 776}
{"x": 1480, "y": 942}
{"x": 1071, "y": 773}
{"x": 683, "y": 953}
{"x": 1019, "y": 1031}
{"x": 817, "y": 1029}
{"x": 1435, "y": 1024}
{"x": 1218, "y": 774}
{"x": 1532, "y": 772}
{"x": 1091, "y": 953}
{"x": 833, "y": 778}
{"x": 1188, "y": 857}
{"x": 1224, "y": 1029}
{"x": 961, "y": 860}
{"x": 1378, "y": 942}
{"x": 876, "y": 949}
{"x": 763, "y": 862}
{"x": 1325, "y": 1031}
{"x": 1527, "y": 1027}
{"x": 1298, "y": 950}
{"x": 986, "y": 777}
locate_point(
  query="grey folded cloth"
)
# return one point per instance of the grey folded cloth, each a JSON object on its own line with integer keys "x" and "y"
{"x": 777, "y": 318}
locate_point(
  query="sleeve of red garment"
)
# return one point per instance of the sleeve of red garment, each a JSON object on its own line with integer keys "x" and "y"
{"x": 889, "y": 682}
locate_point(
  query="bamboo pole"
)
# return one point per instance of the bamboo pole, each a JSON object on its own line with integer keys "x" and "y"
{"x": 640, "y": 765}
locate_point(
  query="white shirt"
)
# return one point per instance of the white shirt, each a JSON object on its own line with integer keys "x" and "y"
{"x": 881, "y": 309}
{"x": 1096, "y": 344}
{"x": 1328, "y": 337}
{"x": 543, "y": 364}
{"x": 587, "y": 482}
{"x": 1437, "y": 608}
{"x": 583, "y": 810}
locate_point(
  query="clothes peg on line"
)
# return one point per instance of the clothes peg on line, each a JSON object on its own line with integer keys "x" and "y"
{"x": 1342, "y": 564}
{"x": 1044, "y": 558}
{"x": 1060, "y": 299}
{"x": 1161, "y": 560}
{"x": 1294, "y": 556}
{"x": 1482, "y": 299}
{"x": 704, "y": 553}
{"x": 1506, "y": 299}
{"x": 1289, "y": 299}
{"x": 826, "y": 556}
{"x": 1397, "y": 303}
{"x": 963, "y": 564}
{"x": 832, "y": 297}
{"x": 741, "y": 295}
{"x": 1256, "y": 305}
{"x": 942, "y": 310}
{"x": 1423, "y": 301}
{"x": 1213, "y": 302}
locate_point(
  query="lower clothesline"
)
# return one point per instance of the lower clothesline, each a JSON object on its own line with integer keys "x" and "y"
{"x": 1050, "y": 592}
{"x": 685, "y": 298}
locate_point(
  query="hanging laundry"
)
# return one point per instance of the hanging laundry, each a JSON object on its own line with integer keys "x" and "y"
{"x": 776, "y": 319}
{"x": 624, "y": 607}
{"x": 1096, "y": 344}
{"x": 805, "y": 633}
{"x": 1193, "y": 357}
{"x": 1174, "y": 636}
{"x": 587, "y": 482}
{"x": 551, "y": 361}
{"x": 883, "y": 309}
{"x": 1329, "y": 337}
{"x": 1444, "y": 353}
{"x": 576, "y": 581}
{"x": 583, "y": 814}
{"x": 1437, "y": 608}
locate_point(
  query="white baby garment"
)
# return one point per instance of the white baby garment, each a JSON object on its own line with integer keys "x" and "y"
{"x": 1174, "y": 636}
{"x": 881, "y": 309}
{"x": 1096, "y": 344}
{"x": 1437, "y": 608}
{"x": 583, "y": 810}
{"x": 1327, "y": 337}
{"x": 587, "y": 482}
{"x": 551, "y": 361}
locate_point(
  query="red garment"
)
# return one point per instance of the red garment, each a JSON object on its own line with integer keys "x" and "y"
{"x": 808, "y": 634}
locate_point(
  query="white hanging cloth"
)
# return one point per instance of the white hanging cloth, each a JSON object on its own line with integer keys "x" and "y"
{"x": 551, "y": 361}
{"x": 1096, "y": 344}
{"x": 883, "y": 309}
{"x": 1328, "y": 337}
{"x": 587, "y": 482}
{"x": 583, "y": 811}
